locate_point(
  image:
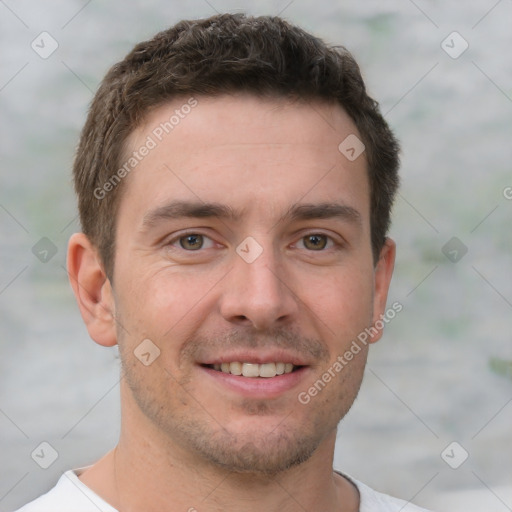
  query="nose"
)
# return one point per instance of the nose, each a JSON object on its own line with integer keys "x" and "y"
{"x": 259, "y": 293}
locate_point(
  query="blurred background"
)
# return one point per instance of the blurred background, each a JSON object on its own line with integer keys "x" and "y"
{"x": 433, "y": 419}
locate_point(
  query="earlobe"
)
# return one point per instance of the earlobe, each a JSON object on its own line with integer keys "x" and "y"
{"x": 382, "y": 280}
{"x": 92, "y": 290}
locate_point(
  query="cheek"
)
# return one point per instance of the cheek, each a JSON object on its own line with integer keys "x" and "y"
{"x": 166, "y": 305}
{"x": 342, "y": 301}
{"x": 178, "y": 298}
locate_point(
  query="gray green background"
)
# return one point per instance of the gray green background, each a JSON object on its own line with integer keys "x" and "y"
{"x": 441, "y": 373}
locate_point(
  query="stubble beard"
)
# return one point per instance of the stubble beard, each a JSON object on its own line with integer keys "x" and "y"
{"x": 257, "y": 452}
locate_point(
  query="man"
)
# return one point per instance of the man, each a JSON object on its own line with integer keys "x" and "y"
{"x": 234, "y": 183}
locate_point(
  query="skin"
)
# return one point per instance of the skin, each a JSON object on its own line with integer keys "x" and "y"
{"x": 186, "y": 439}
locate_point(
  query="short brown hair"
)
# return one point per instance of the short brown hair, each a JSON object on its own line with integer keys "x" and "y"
{"x": 223, "y": 54}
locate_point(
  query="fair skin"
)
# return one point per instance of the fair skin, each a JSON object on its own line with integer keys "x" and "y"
{"x": 193, "y": 437}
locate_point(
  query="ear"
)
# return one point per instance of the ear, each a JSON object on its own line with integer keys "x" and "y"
{"x": 92, "y": 290}
{"x": 382, "y": 279}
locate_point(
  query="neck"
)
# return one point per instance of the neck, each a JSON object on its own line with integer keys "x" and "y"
{"x": 151, "y": 472}
{"x": 173, "y": 482}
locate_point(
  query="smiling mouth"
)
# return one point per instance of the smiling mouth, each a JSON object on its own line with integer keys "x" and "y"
{"x": 253, "y": 370}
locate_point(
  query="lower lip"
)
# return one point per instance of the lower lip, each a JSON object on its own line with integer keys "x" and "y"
{"x": 258, "y": 387}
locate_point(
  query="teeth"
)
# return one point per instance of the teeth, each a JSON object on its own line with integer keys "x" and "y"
{"x": 235, "y": 368}
{"x": 266, "y": 370}
{"x": 250, "y": 370}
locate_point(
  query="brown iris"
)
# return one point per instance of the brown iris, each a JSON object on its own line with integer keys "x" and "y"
{"x": 192, "y": 242}
{"x": 315, "y": 242}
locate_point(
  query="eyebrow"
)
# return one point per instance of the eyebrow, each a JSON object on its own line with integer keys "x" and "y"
{"x": 322, "y": 211}
{"x": 197, "y": 209}
{"x": 192, "y": 209}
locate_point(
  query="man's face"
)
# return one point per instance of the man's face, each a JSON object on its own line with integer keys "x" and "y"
{"x": 244, "y": 237}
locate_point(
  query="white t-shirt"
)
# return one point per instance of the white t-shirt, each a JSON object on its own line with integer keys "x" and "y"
{"x": 71, "y": 495}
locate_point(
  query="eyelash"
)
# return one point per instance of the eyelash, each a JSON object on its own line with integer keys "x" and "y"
{"x": 331, "y": 242}
{"x": 176, "y": 239}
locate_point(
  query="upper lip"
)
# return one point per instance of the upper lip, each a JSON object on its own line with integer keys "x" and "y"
{"x": 257, "y": 357}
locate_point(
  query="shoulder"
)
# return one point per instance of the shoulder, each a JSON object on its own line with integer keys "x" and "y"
{"x": 69, "y": 495}
{"x": 374, "y": 501}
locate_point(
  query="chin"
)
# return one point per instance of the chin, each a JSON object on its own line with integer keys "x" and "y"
{"x": 266, "y": 456}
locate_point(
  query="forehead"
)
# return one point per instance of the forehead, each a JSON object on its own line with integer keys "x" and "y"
{"x": 254, "y": 153}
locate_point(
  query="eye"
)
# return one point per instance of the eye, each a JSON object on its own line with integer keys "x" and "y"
{"x": 193, "y": 242}
{"x": 316, "y": 241}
